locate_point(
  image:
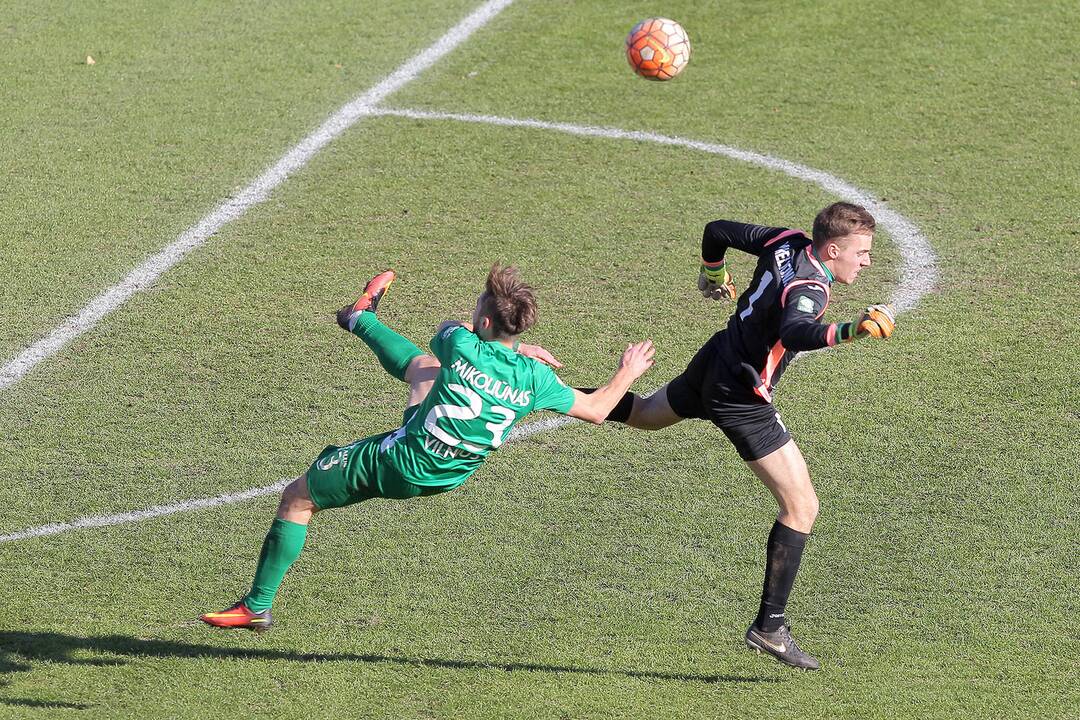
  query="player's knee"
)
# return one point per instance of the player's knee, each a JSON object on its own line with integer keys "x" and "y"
{"x": 808, "y": 510}
{"x": 800, "y": 512}
{"x": 421, "y": 362}
{"x": 295, "y": 498}
{"x": 422, "y": 368}
{"x": 640, "y": 419}
{"x": 651, "y": 413}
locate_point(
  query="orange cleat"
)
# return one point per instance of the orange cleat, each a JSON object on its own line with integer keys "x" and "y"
{"x": 373, "y": 293}
{"x": 238, "y": 616}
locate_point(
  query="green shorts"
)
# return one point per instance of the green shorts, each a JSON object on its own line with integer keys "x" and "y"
{"x": 347, "y": 475}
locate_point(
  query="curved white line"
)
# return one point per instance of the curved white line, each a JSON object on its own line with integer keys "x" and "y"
{"x": 917, "y": 278}
{"x": 918, "y": 273}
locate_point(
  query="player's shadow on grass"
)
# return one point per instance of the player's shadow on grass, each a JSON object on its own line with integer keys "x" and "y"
{"x": 18, "y": 650}
{"x": 48, "y": 704}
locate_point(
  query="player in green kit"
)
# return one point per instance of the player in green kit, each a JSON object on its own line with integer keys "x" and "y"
{"x": 463, "y": 401}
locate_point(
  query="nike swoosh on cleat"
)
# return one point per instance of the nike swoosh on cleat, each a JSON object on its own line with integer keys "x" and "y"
{"x": 781, "y": 648}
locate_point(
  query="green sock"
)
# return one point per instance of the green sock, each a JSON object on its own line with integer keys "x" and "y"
{"x": 394, "y": 351}
{"x": 280, "y": 549}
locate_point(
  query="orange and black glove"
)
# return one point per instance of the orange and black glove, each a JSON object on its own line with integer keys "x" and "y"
{"x": 876, "y": 321}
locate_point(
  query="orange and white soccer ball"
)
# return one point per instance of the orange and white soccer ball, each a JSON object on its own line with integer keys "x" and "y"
{"x": 658, "y": 48}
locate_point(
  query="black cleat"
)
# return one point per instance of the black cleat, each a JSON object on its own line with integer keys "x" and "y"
{"x": 369, "y": 300}
{"x": 781, "y": 646}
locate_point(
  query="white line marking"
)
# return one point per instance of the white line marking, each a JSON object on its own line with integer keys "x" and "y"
{"x": 918, "y": 274}
{"x": 917, "y": 278}
{"x": 139, "y": 515}
{"x": 553, "y": 423}
{"x": 518, "y": 433}
{"x": 149, "y": 271}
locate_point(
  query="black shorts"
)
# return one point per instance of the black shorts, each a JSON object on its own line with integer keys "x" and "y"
{"x": 708, "y": 389}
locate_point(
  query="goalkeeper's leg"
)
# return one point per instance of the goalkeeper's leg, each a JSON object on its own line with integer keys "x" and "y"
{"x": 678, "y": 400}
{"x": 784, "y": 473}
{"x": 644, "y": 413}
{"x": 653, "y": 412}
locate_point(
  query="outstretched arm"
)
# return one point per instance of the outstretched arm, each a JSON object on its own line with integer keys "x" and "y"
{"x": 804, "y": 305}
{"x": 595, "y": 407}
{"x": 719, "y": 235}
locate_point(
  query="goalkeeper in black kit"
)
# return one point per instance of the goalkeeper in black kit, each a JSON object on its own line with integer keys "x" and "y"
{"x": 731, "y": 379}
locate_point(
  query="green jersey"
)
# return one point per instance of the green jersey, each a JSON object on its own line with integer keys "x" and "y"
{"x": 482, "y": 390}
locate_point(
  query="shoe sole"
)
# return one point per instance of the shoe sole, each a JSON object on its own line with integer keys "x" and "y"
{"x": 260, "y": 627}
{"x": 252, "y": 628}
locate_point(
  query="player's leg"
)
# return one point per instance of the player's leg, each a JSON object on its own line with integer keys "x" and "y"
{"x": 340, "y": 476}
{"x": 644, "y": 413}
{"x": 281, "y": 547}
{"x": 653, "y": 412}
{"x": 784, "y": 473}
{"x": 678, "y": 400}
{"x": 763, "y": 442}
{"x": 395, "y": 352}
{"x": 421, "y": 375}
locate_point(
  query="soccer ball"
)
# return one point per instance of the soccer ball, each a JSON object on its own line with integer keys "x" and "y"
{"x": 658, "y": 48}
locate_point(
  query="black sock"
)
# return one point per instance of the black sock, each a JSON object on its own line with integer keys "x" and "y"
{"x": 622, "y": 410}
{"x": 783, "y": 555}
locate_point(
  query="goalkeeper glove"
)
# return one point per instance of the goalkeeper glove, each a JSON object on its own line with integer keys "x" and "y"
{"x": 877, "y": 321}
{"x": 715, "y": 281}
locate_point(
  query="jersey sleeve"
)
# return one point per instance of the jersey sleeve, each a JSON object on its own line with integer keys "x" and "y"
{"x": 720, "y": 235}
{"x": 549, "y": 392}
{"x": 451, "y": 337}
{"x": 802, "y": 304}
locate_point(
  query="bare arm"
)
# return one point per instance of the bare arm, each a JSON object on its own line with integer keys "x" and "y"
{"x": 538, "y": 352}
{"x": 594, "y": 407}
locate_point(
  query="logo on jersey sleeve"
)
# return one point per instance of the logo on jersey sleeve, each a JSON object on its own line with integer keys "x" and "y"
{"x": 806, "y": 305}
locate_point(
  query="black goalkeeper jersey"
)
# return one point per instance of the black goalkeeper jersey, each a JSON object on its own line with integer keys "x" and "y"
{"x": 777, "y": 314}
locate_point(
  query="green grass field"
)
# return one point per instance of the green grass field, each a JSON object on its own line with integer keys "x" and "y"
{"x": 583, "y": 572}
